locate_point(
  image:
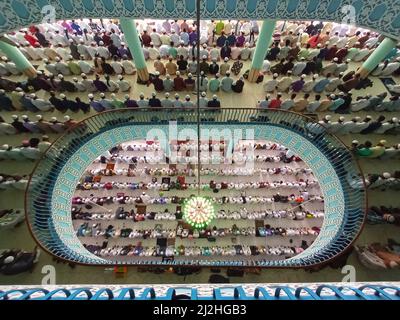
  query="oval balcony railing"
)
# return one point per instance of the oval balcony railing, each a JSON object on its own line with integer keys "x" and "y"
{"x": 54, "y": 180}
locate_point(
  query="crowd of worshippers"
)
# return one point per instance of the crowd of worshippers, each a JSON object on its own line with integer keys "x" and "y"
{"x": 121, "y": 213}
{"x": 39, "y": 125}
{"x": 379, "y": 256}
{"x": 383, "y": 181}
{"x": 12, "y": 182}
{"x": 357, "y": 125}
{"x": 31, "y": 149}
{"x": 378, "y": 151}
{"x": 20, "y": 101}
{"x": 212, "y": 185}
{"x": 299, "y": 52}
{"x": 342, "y": 103}
{"x": 98, "y": 230}
{"x": 144, "y": 198}
{"x": 231, "y": 250}
{"x": 384, "y": 214}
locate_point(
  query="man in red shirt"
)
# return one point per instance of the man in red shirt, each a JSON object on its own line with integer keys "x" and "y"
{"x": 31, "y": 39}
{"x": 275, "y": 103}
{"x": 146, "y": 39}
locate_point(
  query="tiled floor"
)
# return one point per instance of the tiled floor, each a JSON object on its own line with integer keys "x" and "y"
{"x": 20, "y": 237}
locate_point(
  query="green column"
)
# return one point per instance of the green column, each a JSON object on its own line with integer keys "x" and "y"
{"x": 128, "y": 26}
{"x": 15, "y": 55}
{"x": 263, "y": 43}
{"x": 377, "y": 56}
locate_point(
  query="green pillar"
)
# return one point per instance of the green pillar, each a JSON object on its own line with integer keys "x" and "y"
{"x": 263, "y": 43}
{"x": 15, "y": 55}
{"x": 377, "y": 56}
{"x": 128, "y": 26}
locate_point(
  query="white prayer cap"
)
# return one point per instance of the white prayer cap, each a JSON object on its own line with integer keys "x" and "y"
{"x": 102, "y": 95}
{"x": 57, "y": 59}
{"x": 60, "y": 76}
{"x": 81, "y": 41}
{"x": 126, "y": 96}
{"x": 70, "y": 57}
{"x": 112, "y": 95}
{"x": 176, "y": 95}
{"x": 4, "y": 58}
{"x": 386, "y": 175}
{"x": 368, "y": 117}
{"x": 141, "y": 95}
{"x": 218, "y": 75}
{"x": 151, "y": 43}
{"x": 303, "y": 76}
{"x": 342, "y": 118}
{"x": 122, "y": 43}
{"x": 204, "y": 57}
{"x": 315, "y": 76}
{"x": 341, "y": 93}
{"x": 120, "y": 76}
{"x": 335, "y": 59}
{"x": 24, "y": 117}
{"x": 33, "y": 95}
{"x": 187, "y": 97}
{"x": 157, "y": 73}
{"x": 18, "y": 89}
{"x": 215, "y": 96}
{"x": 53, "y": 119}
{"x": 83, "y": 74}
{"x": 319, "y": 45}
{"x": 182, "y": 42}
{"x": 101, "y": 43}
{"x": 167, "y": 94}
{"x": 190, "y": 75}
{"x": 178, "y": 73}
{"x": 355, "y": 142}
{"x": 70, "y": 40}
{"x": 203, "y": 94}
{"x": 90, "y": 96}
{"x": 395, "y": 120}
{"x": 62, "y": 96}
{"x": 39, "y": 116}
{"x": 173, "y": 31}
{"x": 45, "y": 60}
{"x": 204, "y": 45}
{"x": 357, "y": 118}
{"x": 153, "y": 94}
{"x": 14, "y": 116}
{"x": 228, "y": 73}
{"x": 328, "y": 117}
{"x": 2, "y": 91}
{"x": 67, "y": 118}
{"x": 5, "y": 146}
{"x": 8, "y": 260}
{"x": 226, "y": 59}
{"x": 39, "y": 72}
{"x": 246, "y": 44}
{"x": 302, "y": 58}
{"x": 348, "y": 60}
{"x": 332, "y": 96}
{"x": 75, "y": 79}
{"x": 275, "y": 75}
